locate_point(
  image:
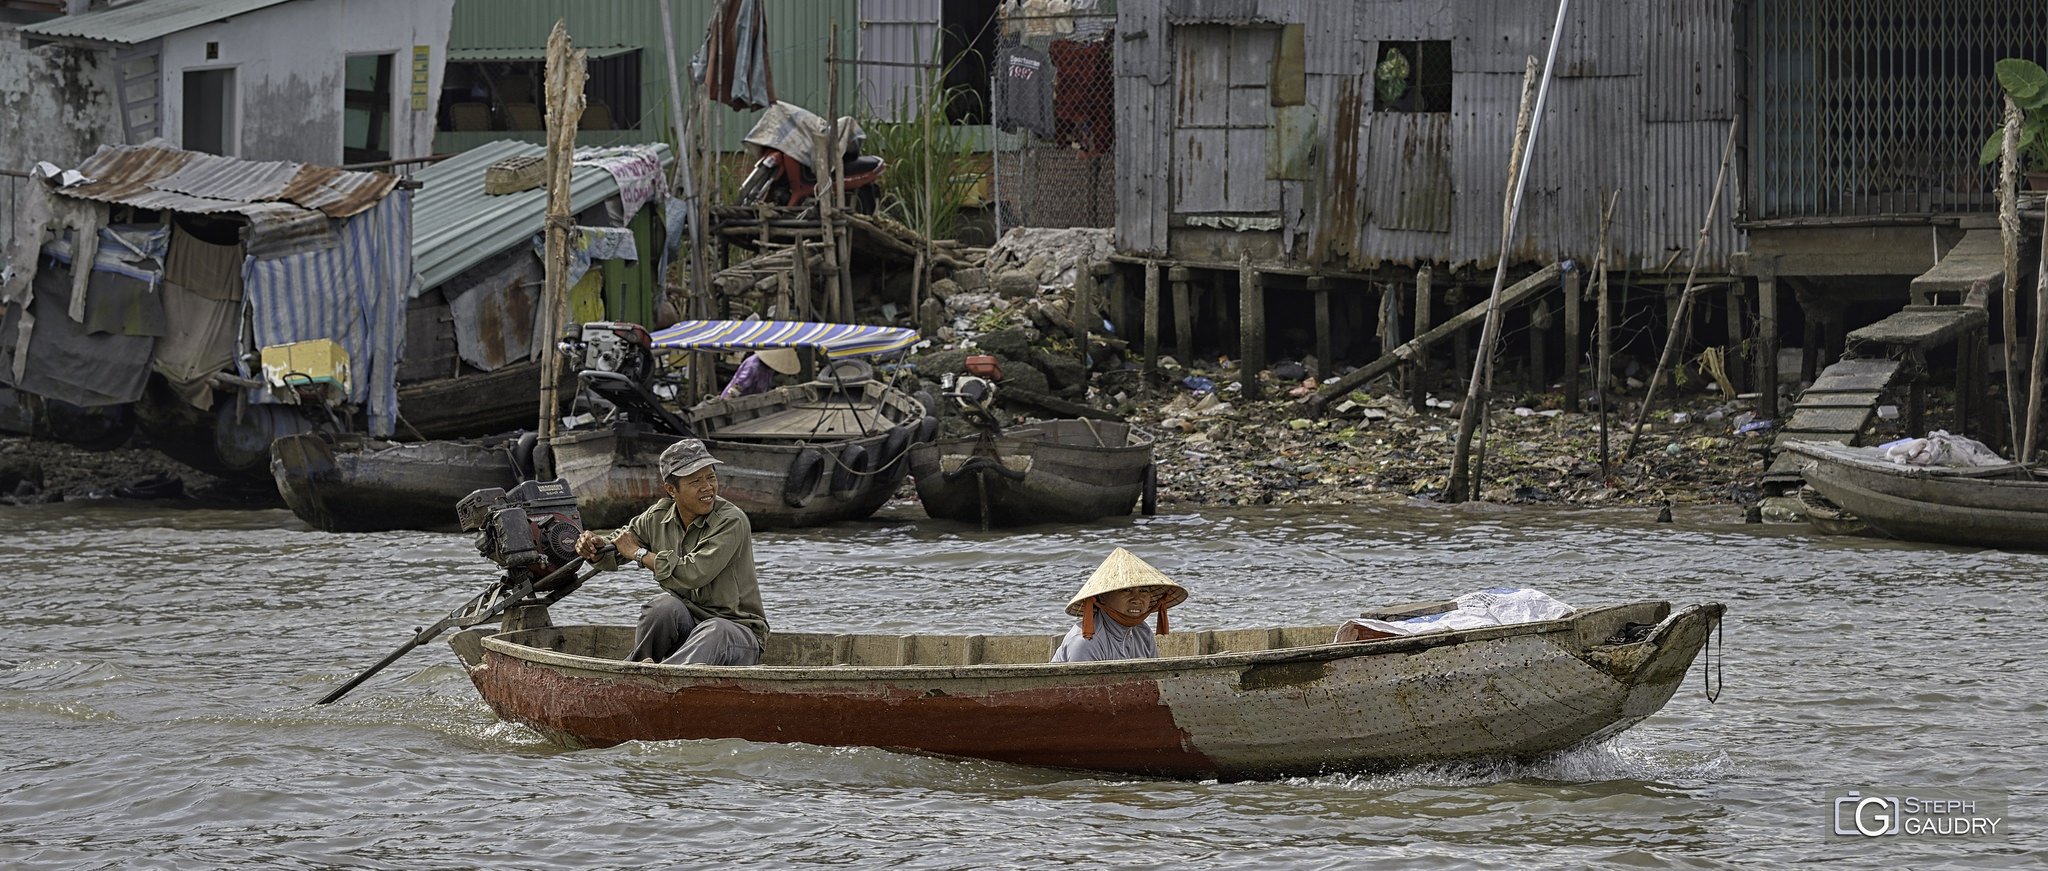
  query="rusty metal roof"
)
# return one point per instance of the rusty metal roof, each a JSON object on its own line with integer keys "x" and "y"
{"x": 287, "y": 204}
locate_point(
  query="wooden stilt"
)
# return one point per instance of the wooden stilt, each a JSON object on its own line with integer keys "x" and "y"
{"x": 1251, "y": 313}
{"x": 1418, "y": 369}
{"x": 1540, "y": 323}
{"x": 1738, "y": 327}
{"x": 1183, "y": 319}
{"x": 1325, "y": 363}
{"x": 1767, "y": 337}
{"x": 1152, "y": 319}
{"x": 1571, "y": 341}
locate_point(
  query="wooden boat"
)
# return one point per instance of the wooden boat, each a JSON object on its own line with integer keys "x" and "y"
{"x": 1230, "y": 704}
{"x": 359, "y": 484}
{"x": 802, "y": 455}
{"x": 1990, "y": 506}
{"x": 1055, "y": 471}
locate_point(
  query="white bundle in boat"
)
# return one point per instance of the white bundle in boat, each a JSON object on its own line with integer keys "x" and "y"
{"x": 1475, "y": 610}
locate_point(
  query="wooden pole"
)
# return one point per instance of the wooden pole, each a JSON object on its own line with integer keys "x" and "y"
{"x": 564, "y": 94}
{"x": 2026, "y": 454}
{"x": 1476, "y": 398}
{"x": 2009, "y": 232}
{"x": 1571, "y": 340}
{"x": 1676, "y": 339}
{"x": 686, "y": 172}
{"x": 1603, "y": 371}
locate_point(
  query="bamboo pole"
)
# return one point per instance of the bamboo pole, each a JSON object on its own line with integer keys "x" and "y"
{"x": 686, "y": 169}
{"x": 698, "y": 302}
{"x": 1476, "y": 396}
{"x": 1676, "y": 339}
{"x": 1603, "y": 373}
{"x": 565, "y": 74}
{"x": 2009, "y": 233}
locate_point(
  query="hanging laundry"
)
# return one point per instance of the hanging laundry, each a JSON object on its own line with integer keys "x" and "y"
{"x": 1024, "y": 91}
{"x": 1084, "y": 104}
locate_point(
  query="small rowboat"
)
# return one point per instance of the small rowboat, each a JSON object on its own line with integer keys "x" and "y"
{"x": 1987, "y": 506}
{"x": 1232, "y": 704}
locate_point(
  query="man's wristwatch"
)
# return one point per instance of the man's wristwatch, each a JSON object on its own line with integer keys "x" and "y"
{"x": 640, "y": 554}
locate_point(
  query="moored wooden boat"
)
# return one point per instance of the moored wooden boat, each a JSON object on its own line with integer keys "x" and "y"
{"x": 359, "y": 484}
{"x": 796, "y": 456}
{"x": 1991, "y": 506}
{"x": 1055, "y": 471}
{"x": 1231, "y": 704}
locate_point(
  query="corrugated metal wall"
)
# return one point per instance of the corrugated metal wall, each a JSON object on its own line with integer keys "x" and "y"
{"x": 895, "y": 31}
{"x": 798, "y": 34}
{"x": 1408, "y": 188}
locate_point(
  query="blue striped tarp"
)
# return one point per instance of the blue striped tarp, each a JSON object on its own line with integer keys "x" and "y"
{"x": 353, "y": 293}
{"x": 835, "y": 340}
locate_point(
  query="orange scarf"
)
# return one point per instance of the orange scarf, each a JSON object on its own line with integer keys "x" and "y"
{"x": 1088, "y": 618}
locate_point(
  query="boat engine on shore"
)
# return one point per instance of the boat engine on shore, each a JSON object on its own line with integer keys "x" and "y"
{"x": 532, "y": 527}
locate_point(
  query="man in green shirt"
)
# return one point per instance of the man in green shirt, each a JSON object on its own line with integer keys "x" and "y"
{"x": 701, "y": 550}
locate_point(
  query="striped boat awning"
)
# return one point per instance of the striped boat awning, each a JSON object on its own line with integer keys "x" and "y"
{"x": 835, "y": 340}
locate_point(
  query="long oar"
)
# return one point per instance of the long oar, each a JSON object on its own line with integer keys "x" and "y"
{"x": 486, "y": 605}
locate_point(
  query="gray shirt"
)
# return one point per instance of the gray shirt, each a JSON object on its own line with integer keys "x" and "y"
{"x": 1112, "y": 640}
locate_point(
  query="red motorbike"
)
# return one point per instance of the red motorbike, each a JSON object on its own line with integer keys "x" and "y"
{"x": 781, "y": 180}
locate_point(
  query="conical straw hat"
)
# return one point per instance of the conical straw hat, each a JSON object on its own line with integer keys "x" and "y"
{"x": 783, "y": 360}
{"x": 1122, "y": 571}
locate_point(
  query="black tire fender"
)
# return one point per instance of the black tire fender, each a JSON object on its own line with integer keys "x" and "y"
{"x": 896, "y": 445}
{"x": 522, "y": 454}
{"x": 801, "y": 482}
{"x": 847, "y": 476}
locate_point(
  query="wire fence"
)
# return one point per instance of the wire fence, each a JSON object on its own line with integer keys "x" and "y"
{"x": 1053, "y": 107}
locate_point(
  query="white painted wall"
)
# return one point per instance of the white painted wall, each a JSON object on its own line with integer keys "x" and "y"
{"x": 288, "y": 62}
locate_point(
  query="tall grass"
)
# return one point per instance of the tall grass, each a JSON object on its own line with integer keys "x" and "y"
{"x": 953, "y": 173}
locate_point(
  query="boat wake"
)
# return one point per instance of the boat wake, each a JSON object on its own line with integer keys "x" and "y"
{"x": 1592, "y": 763}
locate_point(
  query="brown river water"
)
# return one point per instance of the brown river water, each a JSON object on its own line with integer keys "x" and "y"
{"x": 158, "y": 672}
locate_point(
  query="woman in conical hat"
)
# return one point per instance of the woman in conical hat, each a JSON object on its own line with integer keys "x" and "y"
{"x": 1113, "y": 606}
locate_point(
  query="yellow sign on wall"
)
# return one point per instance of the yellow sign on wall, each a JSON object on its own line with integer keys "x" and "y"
{"x": 420, "y": 54}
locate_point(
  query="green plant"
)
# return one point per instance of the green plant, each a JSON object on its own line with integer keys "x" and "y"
{"x": 2027, "y": 84}
{"x": 952, "y": 174}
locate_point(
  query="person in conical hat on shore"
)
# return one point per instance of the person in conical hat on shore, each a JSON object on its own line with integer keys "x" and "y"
{"x": 1113, "y": 606}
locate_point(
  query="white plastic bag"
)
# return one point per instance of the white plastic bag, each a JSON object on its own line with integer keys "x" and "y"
{"x": 1475, "y": 610}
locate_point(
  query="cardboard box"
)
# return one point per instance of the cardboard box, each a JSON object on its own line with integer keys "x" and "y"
{"x": 320, "y": 361}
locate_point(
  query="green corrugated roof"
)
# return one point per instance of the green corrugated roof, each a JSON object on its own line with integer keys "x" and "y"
{"x": 142, "y": 22}
{"x": 455, "y": 225}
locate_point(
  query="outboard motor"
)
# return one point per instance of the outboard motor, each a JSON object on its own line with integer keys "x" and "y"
{"x": 532, "y": 527}
{"x": 615, "y": 346}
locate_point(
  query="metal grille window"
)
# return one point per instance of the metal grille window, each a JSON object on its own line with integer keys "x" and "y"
{"x": 1413, "y": 77}
{"x": 1880, "y": 108}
